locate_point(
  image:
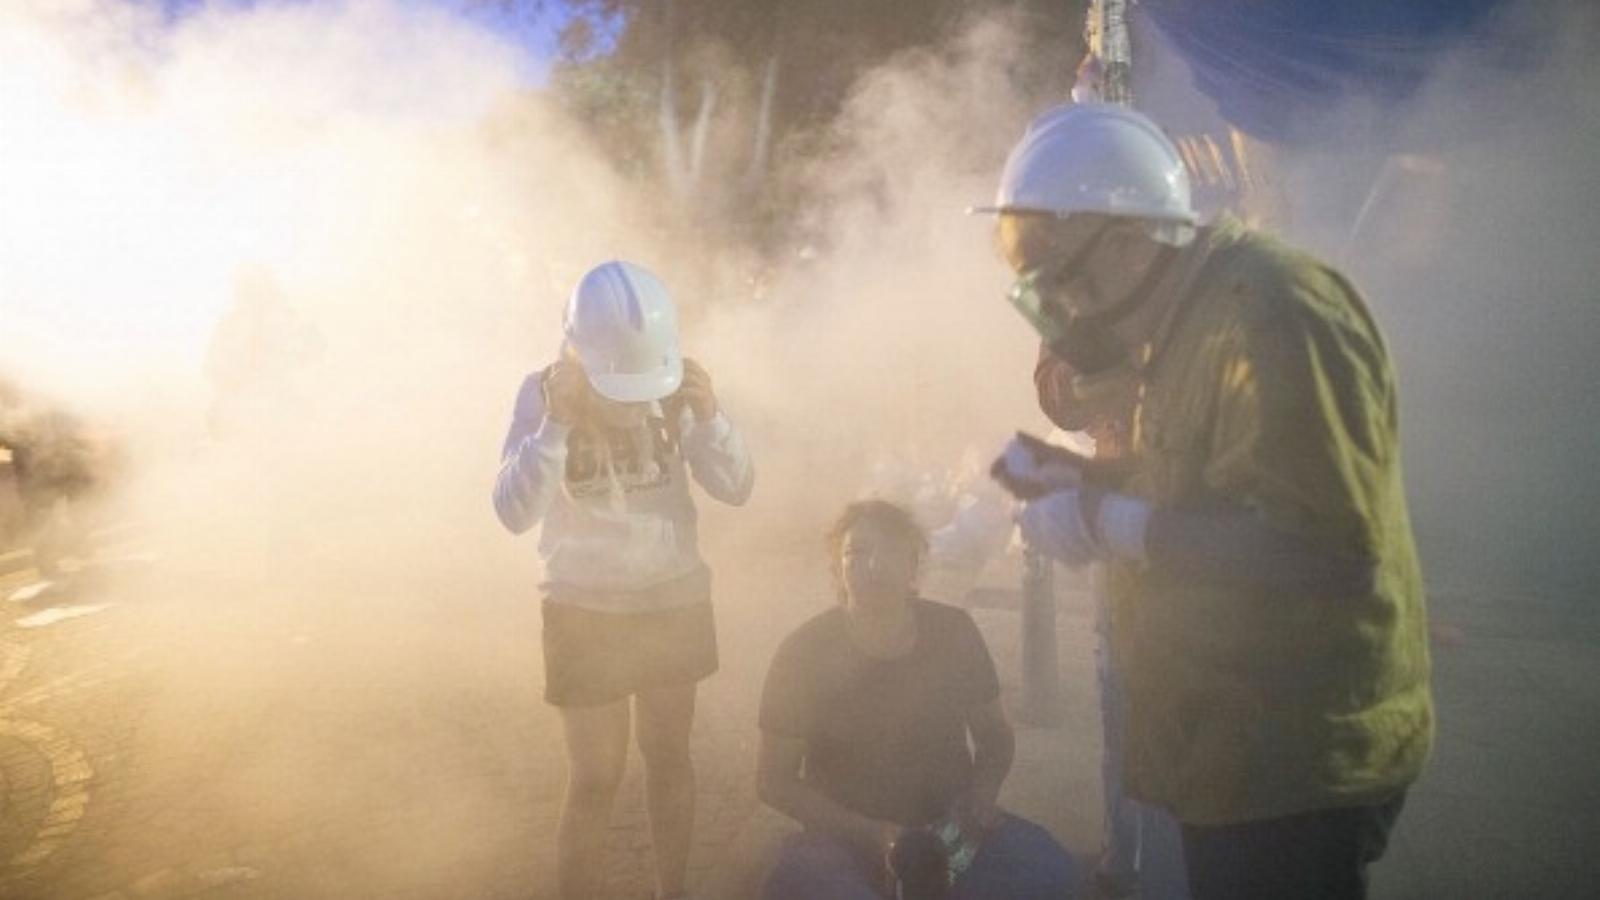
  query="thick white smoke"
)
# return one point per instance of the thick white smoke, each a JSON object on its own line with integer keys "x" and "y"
{"x": 375, "y": 187}
{"x": 415, "y": 209}
{"x": 1464, "y": 214}
{"x": 1474, "y": 248}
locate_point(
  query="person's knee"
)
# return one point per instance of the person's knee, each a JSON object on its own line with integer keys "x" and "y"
{"x": 663, "y": 739}
{"x": 664, "y": 750}
{"x": 594, "y": 781}
{"x": 597, "y": 749}
{"x": 1020, "y": 859}
{"x": 811, "y": 866}
{"x": 1057, "y": 868}
{"x": 1046, "y": 858}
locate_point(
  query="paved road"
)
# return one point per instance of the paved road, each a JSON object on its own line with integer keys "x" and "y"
{"x": 242, "y": 731}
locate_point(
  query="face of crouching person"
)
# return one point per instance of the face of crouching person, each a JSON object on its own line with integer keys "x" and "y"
{"x": 877, "y": 551}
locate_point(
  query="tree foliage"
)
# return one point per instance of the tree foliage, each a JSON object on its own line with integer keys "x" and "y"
{"x": 719, "y": 99}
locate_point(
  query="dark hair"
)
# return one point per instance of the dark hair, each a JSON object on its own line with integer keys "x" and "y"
{"x": 891, "y": 517}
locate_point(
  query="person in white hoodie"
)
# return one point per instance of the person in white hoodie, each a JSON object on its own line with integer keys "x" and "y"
{"x": 601, "y": 448}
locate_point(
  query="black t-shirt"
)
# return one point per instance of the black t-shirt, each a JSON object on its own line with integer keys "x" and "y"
{"x": 884, "y": 737}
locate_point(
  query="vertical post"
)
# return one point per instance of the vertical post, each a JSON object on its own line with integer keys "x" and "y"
{"x": 1115, "y": 52}
{"x": 1041, "y": 674}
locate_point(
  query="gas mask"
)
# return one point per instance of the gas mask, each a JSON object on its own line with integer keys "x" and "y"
{"x": 1085, "y": 340}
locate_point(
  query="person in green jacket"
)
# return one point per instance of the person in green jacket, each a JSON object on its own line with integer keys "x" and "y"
{"x": 1268, "y": 616}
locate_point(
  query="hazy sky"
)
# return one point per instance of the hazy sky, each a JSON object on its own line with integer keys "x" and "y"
{"x": 534, "y": 31}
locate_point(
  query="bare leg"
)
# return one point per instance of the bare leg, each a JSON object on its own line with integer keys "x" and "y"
{"x": 597, "y": 750}
{"x": 665, "y": 715}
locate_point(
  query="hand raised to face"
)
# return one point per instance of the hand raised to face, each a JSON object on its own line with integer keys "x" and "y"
{"x": 566, "y": 391}
{"x": 696, "y": 391}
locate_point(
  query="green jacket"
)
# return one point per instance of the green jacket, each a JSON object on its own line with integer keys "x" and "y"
{"x": 1270, "y": 389}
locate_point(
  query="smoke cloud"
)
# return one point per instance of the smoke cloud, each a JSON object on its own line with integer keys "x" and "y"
{"x": 401, "y": 199}
{"x": 1467, "y": 226}
{"x": 886, "y": 348}
{"x": 294, "y": 261}
{"x": 414, "y": 215}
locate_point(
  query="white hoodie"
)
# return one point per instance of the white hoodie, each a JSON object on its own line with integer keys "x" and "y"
{"x": 618, "y": 518}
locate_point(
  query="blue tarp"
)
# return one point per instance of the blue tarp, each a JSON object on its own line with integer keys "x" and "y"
{"x": 1266, "y": 63}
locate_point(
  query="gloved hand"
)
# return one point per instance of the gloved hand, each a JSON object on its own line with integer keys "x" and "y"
{"x": 1030, "y": 468}
{"x": 1079, "y": 525}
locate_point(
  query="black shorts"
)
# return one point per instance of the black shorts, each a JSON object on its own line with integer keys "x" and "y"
{"x": 592, "y": 658}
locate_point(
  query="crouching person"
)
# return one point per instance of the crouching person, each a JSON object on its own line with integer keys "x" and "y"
{"x": 865, "y": 721}
{"x": 601, "y": 448}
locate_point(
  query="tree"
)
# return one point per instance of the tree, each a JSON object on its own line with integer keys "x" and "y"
{"x": 718, "y": 99}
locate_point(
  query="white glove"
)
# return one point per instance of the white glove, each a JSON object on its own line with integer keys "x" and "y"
{"x": 1055, "y": 525}
{"x": 1030, "y": 468}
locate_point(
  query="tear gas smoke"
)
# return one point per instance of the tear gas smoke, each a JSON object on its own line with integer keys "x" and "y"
{"x": 886, "y": 352}
{"x": 420, "y": 216}
{"x": 342, "y": 629}
{"x": 411, "y": 206}
{"x": 1493, "y": 303}
{"x": 1466, "y": 225}
{"x": 299, "y": 257}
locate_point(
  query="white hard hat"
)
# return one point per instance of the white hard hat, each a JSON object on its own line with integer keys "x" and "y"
{"x": 621, "y": 322}
{"x": 1095, "y": 158}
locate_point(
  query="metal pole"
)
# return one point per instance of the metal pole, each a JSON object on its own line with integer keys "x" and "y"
{"x": 1106, "y": 27}
{"x": 1041, "y": 674}
{"x": 1118, "y": 52}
